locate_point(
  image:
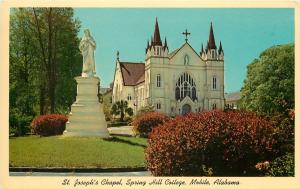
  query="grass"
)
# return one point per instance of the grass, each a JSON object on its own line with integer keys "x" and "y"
{"x": 60, "y": 151}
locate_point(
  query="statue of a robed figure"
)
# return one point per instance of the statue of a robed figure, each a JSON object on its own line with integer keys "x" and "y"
{"x": 87, "y": 47}
{"x": 86, "y": 117}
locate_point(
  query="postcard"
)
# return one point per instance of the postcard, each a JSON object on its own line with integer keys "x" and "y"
{"x": 148, "y": 94}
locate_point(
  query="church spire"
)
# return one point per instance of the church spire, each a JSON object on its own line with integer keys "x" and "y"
{"x": 157, "y": 48}
{"x": 156, "y": 35}
{"x": 211, "y": 39}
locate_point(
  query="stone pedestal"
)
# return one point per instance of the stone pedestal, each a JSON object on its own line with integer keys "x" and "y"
{"x": 87, "y": 117}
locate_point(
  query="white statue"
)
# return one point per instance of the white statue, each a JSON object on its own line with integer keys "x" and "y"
{"x": 87, "y": 47}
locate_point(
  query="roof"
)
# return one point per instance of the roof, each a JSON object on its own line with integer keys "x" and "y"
{"x": 174, "y": 52}
{"x": 156, "y": 35}
{"x": 211, "y": 39}
{"x": 132, "y": 73}
{"x": 233, "y": 96}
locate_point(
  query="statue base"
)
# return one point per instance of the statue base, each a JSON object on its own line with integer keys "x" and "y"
{"x": 86, "y": 117}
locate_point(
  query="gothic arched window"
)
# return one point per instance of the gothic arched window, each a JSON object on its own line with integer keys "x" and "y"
{"x": 194, "y": 93}
{"x": 214, "y": 82}
{"x": 177, "y": 93}
{"x": 185, "y": 86}
{"x": 158, "y": 80}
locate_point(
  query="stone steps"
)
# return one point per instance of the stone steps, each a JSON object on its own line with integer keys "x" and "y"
{"x": 86, "y": 108}
{"x": 79, "y": 121}
{"x": 85, "y": 117}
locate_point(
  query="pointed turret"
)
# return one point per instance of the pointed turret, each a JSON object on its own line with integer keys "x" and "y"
{"x": 156, "y": 47}
{"x": 211, "y": 39}
{"x": 166, "y": 44}
{"x": 202, "y": 50}
{"x": 147, "y": 46}
{"x": 220, "y": 48}
{"x": 156, "y": 35}
{"x": 206, "y": 48}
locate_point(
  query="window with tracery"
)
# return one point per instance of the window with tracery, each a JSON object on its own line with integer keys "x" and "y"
{"x": 185, "y": 86}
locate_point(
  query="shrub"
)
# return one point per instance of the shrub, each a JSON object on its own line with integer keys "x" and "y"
{"x": 145, "y": 109}
{"x": 228, "y": 143}
{"x": 48, "y": 125}
{"x": 107, "y": 114}
{"x": 284, "y": 133}
{"x": 144, "y": 123}
{"x": 283, "y": 166}
{"x": 19, "y": 124}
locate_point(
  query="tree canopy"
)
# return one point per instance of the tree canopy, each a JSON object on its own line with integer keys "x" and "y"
{"x": 43, "y": 60}
{"x": 269, "y": 86}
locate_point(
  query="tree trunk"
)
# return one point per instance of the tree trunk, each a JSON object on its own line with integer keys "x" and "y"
{"x": 42, "y": 100}
{"x": 51, "y": 64}
{"x": 42, "y": 85}
{"x": 122, "y": 115}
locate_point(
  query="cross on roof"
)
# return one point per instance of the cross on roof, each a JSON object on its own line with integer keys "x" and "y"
{"x": 186, "y": 33}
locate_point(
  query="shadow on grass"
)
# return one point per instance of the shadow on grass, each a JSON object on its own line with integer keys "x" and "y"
{"x": 115, "y": 139}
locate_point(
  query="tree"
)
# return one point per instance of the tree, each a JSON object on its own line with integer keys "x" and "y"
{"x": 269, "y": 86}
{"x": 22, "y": 97}
{"x": 44, "y": 59}
{"x": 58, "y": 43}
{"x": 121, "y": 108}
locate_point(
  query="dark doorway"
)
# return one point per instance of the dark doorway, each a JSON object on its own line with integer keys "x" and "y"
{"x": 186, "y": 109}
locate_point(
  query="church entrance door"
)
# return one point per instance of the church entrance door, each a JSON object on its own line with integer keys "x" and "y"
{"x": 186, "y": 109}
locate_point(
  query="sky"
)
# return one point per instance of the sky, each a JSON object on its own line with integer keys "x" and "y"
{"x": 244, "y": 33}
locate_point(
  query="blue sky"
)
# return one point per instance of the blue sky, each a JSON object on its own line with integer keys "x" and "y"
{"x": 244, "y": 33}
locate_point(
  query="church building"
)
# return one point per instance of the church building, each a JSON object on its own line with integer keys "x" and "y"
{"x": 176, "y": 82}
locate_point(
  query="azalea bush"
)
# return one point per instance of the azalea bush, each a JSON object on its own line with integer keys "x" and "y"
{"x": 144, "y": 123}
{"x": 48, "y": 125}
{"x": 227, "y": 143}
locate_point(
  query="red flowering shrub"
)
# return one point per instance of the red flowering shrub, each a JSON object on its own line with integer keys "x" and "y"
{"x": 231, "y": 143}
{"x": 144, "y": 123}
{"x": 48, "y": 125}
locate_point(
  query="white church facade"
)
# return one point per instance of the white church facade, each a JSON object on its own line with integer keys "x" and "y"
{"x": 174, "y": 82}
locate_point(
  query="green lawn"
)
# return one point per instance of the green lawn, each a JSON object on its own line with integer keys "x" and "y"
{"x": 60, "y": 151}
